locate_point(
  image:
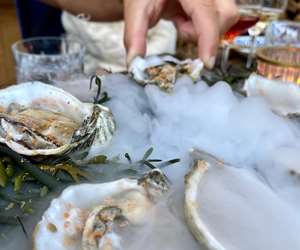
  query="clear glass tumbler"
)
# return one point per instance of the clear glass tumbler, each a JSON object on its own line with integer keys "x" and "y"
{"x": 48, "y": 59}
{"x": 283, "y": 33}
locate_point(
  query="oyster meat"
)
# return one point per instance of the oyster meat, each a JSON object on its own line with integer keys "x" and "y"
{"x": 283, "y": 97}
{"x": 164, "y": 70}
{"x": 88, "y": 216}
{"x": 49, "y": 129}
{"x": 39, "y": 119}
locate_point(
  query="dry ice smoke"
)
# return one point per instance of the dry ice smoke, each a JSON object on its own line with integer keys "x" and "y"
{"x": 253, "y": 206}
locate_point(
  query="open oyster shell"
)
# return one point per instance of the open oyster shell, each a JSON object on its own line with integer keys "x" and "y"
{"x": 283, "y": 97}
{"x": 163, "y": 70}
{"x": 39, "y": 119}
{"x": 89, "y": 216}
{"x": 191, "y": 206}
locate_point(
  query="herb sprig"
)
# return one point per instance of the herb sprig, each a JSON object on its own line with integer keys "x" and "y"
{"x": 101, "y": 97}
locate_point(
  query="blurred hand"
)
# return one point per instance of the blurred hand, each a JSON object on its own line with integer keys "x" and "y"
{"x": 203, "y": 21}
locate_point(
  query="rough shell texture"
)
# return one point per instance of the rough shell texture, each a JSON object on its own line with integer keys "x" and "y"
{"x": 283, "y": 97}
{"x": 83, "y": 216}
{"x": 33, "y": 114}
{"x": 191, "y": 206}
{"x": 163, "y": 70}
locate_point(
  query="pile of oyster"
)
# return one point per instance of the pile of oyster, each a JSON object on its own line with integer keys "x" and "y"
{"x": 92, "y": 216}
{"x": 37, "y": 119}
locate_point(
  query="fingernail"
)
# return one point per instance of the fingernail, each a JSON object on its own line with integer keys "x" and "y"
{"x": 210, "y": 63}
{"x": 130, "y": 56}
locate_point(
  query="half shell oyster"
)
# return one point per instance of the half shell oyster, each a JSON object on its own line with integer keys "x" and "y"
{"x": 193, "y": 219}
{"x": 89, "y": 216}
{"x": 283, "y": 97}
{"x": 164, "y": 70}
{"x": 39, "y": 119}
{"x": 233, "y": 207}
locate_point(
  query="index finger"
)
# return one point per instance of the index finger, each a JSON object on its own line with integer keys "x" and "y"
{"x": 136, "y": 27}
{"x": 206, "y": 24}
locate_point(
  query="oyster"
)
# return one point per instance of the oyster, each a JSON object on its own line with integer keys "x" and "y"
{"x": 193, "y": 219}
{"x": 283, "y": 97}
{"x": 85, "y": 216}
{"x": 39, "y": 119}
{"x": 233, "y": 207}
{"x": 163, "y": 70}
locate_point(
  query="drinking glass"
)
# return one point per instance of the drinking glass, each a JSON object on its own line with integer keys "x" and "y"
{"x": 249, "y": 11}
{"x": 285, "y": 33}
{"x": 249, "y": 16}
{"x": 272, "y": 9}
{"x": 48, "y": 59}
{"x": 255, "y": 15}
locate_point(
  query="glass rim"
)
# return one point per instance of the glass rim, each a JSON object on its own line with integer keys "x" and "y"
{"x": 288, "y": 22}
{"x": 260, "y": 53}
{"x": 81, "y": 51}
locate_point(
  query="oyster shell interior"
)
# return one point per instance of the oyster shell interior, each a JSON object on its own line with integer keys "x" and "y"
{"x": 283, "y": 97}
{"x": 227, "y": 207}
{"x": 92, "y": 216}
{"x": 164, "y": 70}
{"x": 39, "y": 119}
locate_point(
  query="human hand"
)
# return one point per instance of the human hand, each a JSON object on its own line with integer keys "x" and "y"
{"x": 203, "y": 21}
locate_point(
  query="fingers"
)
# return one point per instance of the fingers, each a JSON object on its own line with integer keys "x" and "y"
{"x": 185, "y": 28}
{"x": 228, "y": 14}
{"x": 205, "y": 20}
{"x": 136, "y": 26}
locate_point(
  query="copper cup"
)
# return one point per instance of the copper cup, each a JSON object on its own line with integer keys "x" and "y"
{"x": 279, "y": 63}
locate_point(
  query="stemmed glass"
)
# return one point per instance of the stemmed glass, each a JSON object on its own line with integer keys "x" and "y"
{"x": 249, "y": 15}
{"x": 270, "y": 10}
{"x": 254, "y": 18}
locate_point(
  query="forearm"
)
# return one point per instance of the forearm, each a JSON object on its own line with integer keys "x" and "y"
{"x": 98, "y": 10}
